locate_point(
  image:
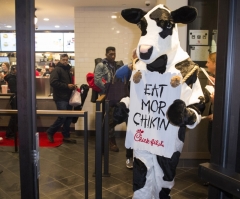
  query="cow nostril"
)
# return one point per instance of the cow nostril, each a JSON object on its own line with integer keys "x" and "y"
{"x": 145, "y": 52}
{"x": 144, "y": 48}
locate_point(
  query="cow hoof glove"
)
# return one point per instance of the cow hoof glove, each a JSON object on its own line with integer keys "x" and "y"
{"x": 175, "y": 81}
{"x": 137, "y": 77}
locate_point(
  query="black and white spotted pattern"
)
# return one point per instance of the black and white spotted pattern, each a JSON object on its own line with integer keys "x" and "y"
{"x": 159, "y": 51}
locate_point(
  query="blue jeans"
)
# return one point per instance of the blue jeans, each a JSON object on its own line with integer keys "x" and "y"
{"x": 61, "y": 120}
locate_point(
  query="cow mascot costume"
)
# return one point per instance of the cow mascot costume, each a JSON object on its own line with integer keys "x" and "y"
{"x": 165, "y": 99}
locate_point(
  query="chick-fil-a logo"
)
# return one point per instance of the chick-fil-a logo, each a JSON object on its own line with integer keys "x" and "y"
{"x": 138, "y": 137}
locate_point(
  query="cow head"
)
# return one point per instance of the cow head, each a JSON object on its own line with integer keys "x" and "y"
{"x": 159, "y": 30}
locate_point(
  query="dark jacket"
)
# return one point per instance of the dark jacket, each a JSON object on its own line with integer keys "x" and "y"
{"x": 11, "y": 79}
{"x": 114, "y": 88}
{"x": 59, "y": 80}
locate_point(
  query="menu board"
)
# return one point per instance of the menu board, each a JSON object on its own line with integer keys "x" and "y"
{"x": 8, "y": 42}
{"x": 48, "y": 42}
{"x": 69, "y": 42}
{"x": 44, "y": 42}
{"x": 4, "y": 59}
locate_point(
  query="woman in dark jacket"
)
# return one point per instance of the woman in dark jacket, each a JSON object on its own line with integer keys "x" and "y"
{"x": 11, "y": 79}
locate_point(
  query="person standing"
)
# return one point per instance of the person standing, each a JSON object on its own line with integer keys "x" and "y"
{"x": 61, "y": 82}
{"x": 55, "y": 62}
{"x": 209, "y": 97}
{"x": 211, "y": 65}
{"x": 125, "y": 73}
{"x": 5, "y": 70}
{"x": 112, "y": 87}
{"x": 37, "y": 72}
{"x": 49, "y": 70}
{"x": 11, "y": 80}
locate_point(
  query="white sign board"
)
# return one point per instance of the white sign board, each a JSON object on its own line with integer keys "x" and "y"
{"x": 69, "y": 42}
{"x": 44, "y": 42}
{"x": 49, "y": 42}
{"x": 148, "y": 126}
{"x": 199, "y": 53}
{"x": 8, "y": 41}
{"x": 198, "y": 37}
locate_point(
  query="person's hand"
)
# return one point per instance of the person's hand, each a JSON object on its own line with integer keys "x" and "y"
{"x": 212, "y": 79}
{"x": 212, "y": 97}
{"x": 210, "y": 117}
{"x": 137, "y": 77}
{"x": 72, "y": 86}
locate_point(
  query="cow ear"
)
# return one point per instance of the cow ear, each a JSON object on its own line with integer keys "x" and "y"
{"x": 133, "y": 15}
{"x": 185, "y": 14}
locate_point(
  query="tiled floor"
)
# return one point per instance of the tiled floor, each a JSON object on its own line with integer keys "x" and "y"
{"x": 62, "y": 172}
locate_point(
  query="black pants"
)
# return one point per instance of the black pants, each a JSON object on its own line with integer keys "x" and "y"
{"x": 111, "y": 125}
{"x": 129, "y": 153}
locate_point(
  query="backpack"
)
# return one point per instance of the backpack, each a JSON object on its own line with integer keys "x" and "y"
{"x": 90, "y": 81}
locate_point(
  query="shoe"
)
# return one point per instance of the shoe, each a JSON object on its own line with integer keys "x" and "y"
{"x": 114, "y": 148}
{"x": 129, "y": 163}
{"x": 68, "y": 140}
{"x": 112, "y": 145}
{"x": 50, "y": 137}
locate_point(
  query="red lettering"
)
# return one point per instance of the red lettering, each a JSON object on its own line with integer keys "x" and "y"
{"x": 138, "y": 137}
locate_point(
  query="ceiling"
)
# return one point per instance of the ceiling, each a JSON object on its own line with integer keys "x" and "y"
{"x": 60, "y": 12}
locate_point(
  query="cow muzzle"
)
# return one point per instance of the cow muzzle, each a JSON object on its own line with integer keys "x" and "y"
{"x": 145, "y": 51}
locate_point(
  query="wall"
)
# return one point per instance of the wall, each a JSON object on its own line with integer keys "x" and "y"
{"x": 94, "y": 31}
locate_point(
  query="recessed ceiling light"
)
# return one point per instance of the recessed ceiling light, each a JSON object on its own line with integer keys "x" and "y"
{"x": 57, "y": 26}
{"x": 46, "y": 19}
{"x": 113, "y": 16}
{"x": 8, "y": 26}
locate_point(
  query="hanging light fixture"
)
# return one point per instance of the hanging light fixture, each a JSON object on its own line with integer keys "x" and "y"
{"x": 35, "y": 18}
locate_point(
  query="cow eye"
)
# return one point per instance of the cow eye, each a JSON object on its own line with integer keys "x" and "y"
{"x": 163, "y": 24}
{"x": 143, "y": 26}
{"x": 169, "y": 25}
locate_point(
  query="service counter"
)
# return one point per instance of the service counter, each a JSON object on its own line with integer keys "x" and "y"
{"x": 42, "y": 102}
{"x": 43, "y": 88}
